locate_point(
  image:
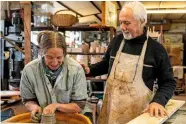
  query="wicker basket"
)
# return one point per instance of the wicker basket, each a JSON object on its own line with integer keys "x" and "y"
{"x": 63, "y": 19}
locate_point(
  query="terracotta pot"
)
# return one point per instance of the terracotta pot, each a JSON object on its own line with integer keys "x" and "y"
{"x": 91, "y": 50}
{"x": 94, "y": 45}
{"x": 85, "y": 47}
{"x": 102, "y": 50}
{"x": 97, "y": 49}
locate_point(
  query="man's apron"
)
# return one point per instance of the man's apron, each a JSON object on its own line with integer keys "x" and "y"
{"x": 126, "y": 94}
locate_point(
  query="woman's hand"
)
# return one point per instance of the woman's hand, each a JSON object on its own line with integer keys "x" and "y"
{"x": 36, "y": 114}
{"x": 156, "y": 110}
{"x": 50, "y": 109}
{"x": 35, "y": 109}
{"x": 71, "y": 108}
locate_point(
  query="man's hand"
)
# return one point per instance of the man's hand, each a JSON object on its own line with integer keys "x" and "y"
{"x": 36, "y": 114}
{"x": 156, "y": 110}
{"x": 85, "y": 68}
{"x": 50, "y": 109}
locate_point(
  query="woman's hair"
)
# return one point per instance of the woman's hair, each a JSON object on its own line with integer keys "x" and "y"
{"x": 51, "y": 39}
{"x": 139, "y": 10}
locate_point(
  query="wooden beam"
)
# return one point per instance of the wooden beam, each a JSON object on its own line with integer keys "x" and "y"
{"x": 69, "y": 8}
{"x": 27, "y": 30}
{"x": 103, "y": 12}
{"x": 97, "y": 9}
{"x": 179, "y": 21}
{"x": 182, "y": 16}
{"x": 98, "y": 17}
{"x": 96, "y": 6}
{"x": 10, "y": 42}
{"x": 119, "y": 5}
{"x": 24, "y": 3}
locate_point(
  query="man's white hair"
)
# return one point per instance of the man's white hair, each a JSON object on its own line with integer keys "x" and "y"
{"x": 139, "y": 10}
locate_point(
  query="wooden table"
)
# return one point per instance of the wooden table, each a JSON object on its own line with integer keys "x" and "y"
{"x": 7, "y": 95}
{"x": 11, "y": 104}
{"x": 171, "y": 107}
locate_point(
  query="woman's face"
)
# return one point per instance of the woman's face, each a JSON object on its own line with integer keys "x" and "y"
{"x": 54, "y": 58}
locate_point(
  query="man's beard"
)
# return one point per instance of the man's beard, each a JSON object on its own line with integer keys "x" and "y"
{"x": 127, "y": 35}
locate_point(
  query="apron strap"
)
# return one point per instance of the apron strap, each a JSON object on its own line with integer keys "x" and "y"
{"x": 142, "y": 56}
{"x": 121, "y": 45}
{"x": 139, "y": 68}
{"x": 141, "y": 59}
{"x": 116, "y": 59}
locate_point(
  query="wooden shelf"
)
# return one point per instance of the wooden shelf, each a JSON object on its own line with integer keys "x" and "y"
{"x": 75, "y": 28}
{"x": 80, "y": 53}
{"x": 174, "y": 33}
{"x": 96, "y": 80}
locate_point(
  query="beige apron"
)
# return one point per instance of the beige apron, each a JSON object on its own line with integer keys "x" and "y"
{"x": 126, "y": 94}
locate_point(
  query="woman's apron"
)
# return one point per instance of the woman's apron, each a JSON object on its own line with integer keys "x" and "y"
{"x": 126, "y": 94}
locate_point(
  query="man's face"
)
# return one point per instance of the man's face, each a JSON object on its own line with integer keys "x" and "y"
{"x": 128, "y": 24}
{"x": 54, "y": 58}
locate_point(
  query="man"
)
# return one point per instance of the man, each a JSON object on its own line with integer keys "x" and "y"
{"x": 134, "y": 61}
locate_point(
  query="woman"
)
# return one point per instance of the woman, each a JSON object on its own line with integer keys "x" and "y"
{"x": 53, "y": 81}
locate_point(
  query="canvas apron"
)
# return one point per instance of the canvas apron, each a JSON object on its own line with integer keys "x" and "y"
{"x": 126, "y": 94}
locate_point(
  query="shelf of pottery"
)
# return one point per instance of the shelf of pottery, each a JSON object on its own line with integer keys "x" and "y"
{"x": 89, "y": 55}
{"x": 174, "y": 47}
